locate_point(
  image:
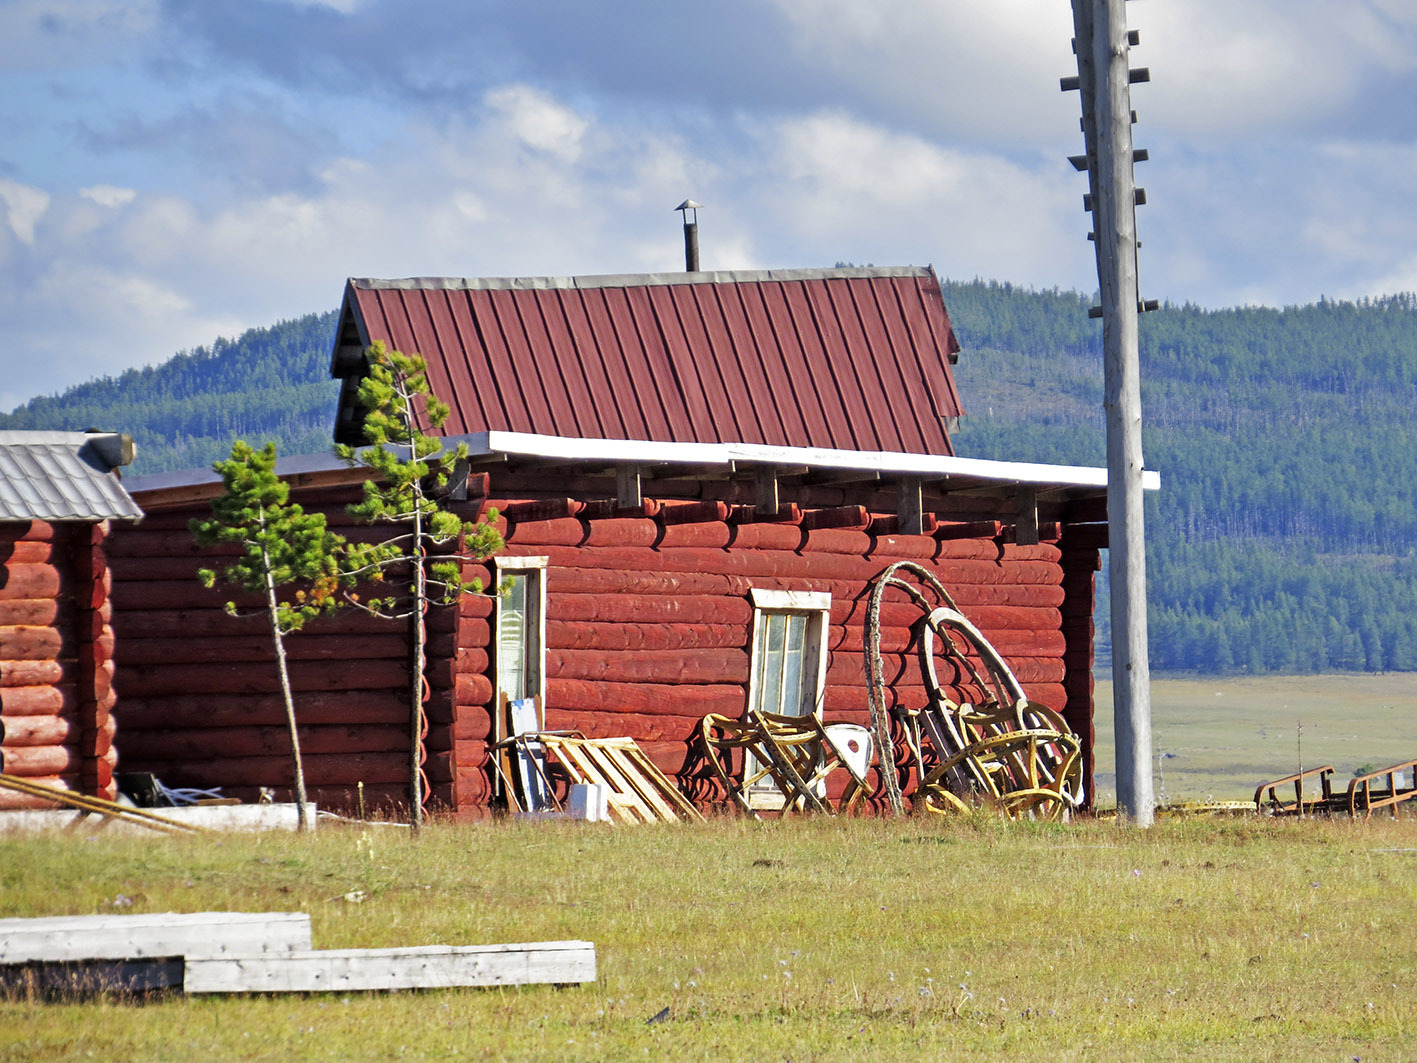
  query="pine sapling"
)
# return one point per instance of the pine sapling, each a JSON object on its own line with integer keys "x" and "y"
{"x": 282, "y": 547}
{"x": 412, "y": 473}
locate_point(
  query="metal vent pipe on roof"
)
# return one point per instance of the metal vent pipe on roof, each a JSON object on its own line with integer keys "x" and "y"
{"x": 691, "y": 234}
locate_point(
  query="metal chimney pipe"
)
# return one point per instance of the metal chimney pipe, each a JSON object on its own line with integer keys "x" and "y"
{"x": 691, "y": 234}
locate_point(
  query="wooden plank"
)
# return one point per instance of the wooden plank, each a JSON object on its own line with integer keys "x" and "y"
{"x": 119, "y": 937}
{"x": 425, "y": 967}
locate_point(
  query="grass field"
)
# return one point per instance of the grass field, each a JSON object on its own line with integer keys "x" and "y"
{"x": 916, "y": 939}
{"x": 913, "y": 939}
{"x": 1219, "y": 738}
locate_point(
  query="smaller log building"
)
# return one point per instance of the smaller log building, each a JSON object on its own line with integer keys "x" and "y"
{"x": 60, "y": 497}
{"x": 698, "y": 476}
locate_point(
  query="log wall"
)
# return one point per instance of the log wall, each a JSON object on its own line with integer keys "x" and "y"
{"x": 648, "y": 628}
{"x": 56, "y": 659}
{"x": 201, "y": 704}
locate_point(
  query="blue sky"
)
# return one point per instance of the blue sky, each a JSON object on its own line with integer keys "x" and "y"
{"x": 177, "y": 170}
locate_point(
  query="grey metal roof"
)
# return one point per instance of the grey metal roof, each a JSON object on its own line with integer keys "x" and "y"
{"x": 64, "y": 476}
{"x": 636, "y": 280}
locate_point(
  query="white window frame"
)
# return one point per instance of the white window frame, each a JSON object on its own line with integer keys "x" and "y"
{"x": 816, "y": 606}
{"x": 535, "y": 569}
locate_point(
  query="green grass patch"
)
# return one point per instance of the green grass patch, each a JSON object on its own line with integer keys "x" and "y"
{"x": 806, "y": 940}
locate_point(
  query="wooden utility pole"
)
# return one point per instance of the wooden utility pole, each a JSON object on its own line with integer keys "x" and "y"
{"x": 1104, "y": 80}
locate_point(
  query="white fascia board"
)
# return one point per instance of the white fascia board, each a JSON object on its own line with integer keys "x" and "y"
{"x": 525, "y": 444}
{"x": 800, "y": 600}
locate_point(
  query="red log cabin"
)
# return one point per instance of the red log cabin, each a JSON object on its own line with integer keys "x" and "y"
{"x": 60, "y": 498}
{"x": 685, "y": 466}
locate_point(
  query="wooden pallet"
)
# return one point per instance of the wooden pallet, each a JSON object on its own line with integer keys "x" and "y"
{"x": 638, "y": 791}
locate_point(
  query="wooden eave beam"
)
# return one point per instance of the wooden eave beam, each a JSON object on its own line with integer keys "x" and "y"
{"x": 628, "y": 487}
{"x": 840, "y": 477}
{"x": 765, "y": 491}
{"x": 910, "y": 509}
{"x": 1026, "y": 515}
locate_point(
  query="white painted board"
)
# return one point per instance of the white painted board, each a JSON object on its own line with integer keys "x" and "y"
{"x": 425, "y": 967}
{"x": 130, "y": 937}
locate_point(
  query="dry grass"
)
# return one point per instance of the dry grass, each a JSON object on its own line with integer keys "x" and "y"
{"x": 806, "y": 940}
{"x": 1220, "y": 738}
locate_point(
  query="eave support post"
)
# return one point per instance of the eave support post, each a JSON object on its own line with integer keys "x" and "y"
{"x": 910, "y": 506}
{"x": 766, "y": 491}
{"x": 629, "y": 493}
{"x": 1026, "y": 515}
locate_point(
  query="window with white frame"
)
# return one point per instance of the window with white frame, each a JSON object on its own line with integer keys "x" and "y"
{"x": 788, "y": 666}
{"x": 789, "y": 658}
{"x": 520, "y": 661}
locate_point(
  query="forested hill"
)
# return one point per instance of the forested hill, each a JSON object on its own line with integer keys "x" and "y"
{"x": 1282, "y": 538}
{"x": 271, "y": 383}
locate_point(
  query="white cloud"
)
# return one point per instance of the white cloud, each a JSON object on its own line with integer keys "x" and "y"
{"x": 203, "y": 201}
{"x": 987, "y": 72}
{"x": 108, "y": 195}
{"x": 1224, "y": 70}
{"x": 847, "y": 190}
{"x": 539, "y": 121}
{"x": 344, "y": 7}
{"x": 24, "y": 206}
{"x": 101, "y": 289}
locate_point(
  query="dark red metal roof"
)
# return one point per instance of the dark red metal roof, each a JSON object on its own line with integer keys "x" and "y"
{"x": 848, "y": 359}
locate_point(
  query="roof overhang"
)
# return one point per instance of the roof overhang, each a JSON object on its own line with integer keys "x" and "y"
{"x": 691, "y": 459}
{"x": 1087, "y": 480}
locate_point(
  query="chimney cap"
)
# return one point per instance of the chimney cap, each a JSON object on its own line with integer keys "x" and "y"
{"x": 688, "y": 204}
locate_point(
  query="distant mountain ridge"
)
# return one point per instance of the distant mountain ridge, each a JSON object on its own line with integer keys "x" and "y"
{"x": 268, "y": 383}
{"x": 1282, "y": 539}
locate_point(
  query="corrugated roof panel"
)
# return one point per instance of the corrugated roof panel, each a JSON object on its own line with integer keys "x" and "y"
{"x": 605, "y": 412}
{"x": 851, "y": 359}
{"x": 837, "y": 311}
{"x": 556, "y": 376}
{"x": 744, "y": 375}
{"x": 640, "y": 394}
{"x": 60, "y": 476}
{"x": 431, "y": 327}
{"x": 719, "y": 407}
{"x": 906, "y": 385}
{"x": 772, "y": 337}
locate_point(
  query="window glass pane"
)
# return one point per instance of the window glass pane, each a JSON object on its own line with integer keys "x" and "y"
{"x": 774, "y": 627}
{"x": 794, "y": 651}
{"x": 514, "y": 622}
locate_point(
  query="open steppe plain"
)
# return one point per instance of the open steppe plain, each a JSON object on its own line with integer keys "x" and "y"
{"x": 1217, "y": 739}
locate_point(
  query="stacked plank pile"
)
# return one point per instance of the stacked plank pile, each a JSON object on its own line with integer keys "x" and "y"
{"x": 56, "y": 659}
{"x": 238, "y": 952}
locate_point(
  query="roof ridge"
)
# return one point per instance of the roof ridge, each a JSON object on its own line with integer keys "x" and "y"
{"x": 636, "y": 280}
